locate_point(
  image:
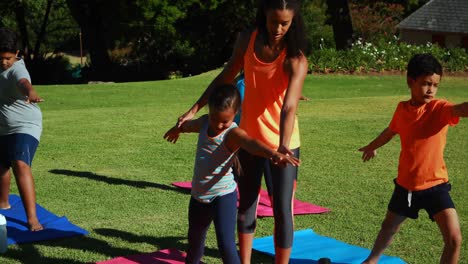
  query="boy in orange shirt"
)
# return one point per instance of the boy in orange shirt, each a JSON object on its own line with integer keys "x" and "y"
{"x": 422, "y": 183}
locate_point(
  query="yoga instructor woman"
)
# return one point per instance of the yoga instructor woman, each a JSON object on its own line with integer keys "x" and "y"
{"x": 271, "y": 56}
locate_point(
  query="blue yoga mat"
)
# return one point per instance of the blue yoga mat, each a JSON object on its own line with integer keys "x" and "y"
{"x": 308, "y": 247}
{"x": 54, "y": 226}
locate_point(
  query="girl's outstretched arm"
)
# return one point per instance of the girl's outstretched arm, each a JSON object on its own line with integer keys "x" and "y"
{"x": 369, "y": 151}
{"x": 190, "y": 126}
{"x": 238, "y": 138}
{"x": 227, "y": 75}
{"x": 461, "y": 109}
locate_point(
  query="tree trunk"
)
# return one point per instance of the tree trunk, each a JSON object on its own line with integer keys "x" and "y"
{"x": 41, "y": 35}
{"x": 340, "y": 19}
{"x": 23, "y": 29}
{"x": 89, "y": 15}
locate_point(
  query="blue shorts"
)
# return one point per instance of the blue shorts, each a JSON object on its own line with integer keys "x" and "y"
{"x": 433, "y": 200}
{"x": 17, "y": 147}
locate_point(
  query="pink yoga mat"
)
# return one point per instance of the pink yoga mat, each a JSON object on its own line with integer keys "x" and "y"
{"x": 264, "y": 208}
{"x": 165, "y": 256}
{"x": 183, "y": 185}
{"x": 264, "y": 198}
{"x": 300, "y": 208}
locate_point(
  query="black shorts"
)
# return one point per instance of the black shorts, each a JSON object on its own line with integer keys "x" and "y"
{"x": 433, "y": 200}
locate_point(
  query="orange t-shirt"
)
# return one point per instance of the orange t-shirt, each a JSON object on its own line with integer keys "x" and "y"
{"x": 423, "y": 132}
{"x": 265, "y": 88}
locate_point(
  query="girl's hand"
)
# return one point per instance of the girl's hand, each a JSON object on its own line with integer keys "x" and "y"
{"x": 172, "y": 135}
{"x": 368, "y": 153}
{"x": 282, "y": 160}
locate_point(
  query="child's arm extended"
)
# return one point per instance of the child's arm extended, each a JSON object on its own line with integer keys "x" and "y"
{"x": 27, "y": 89}
{"x": 369, "y": 151}
{"x": 188, "y": 126}
{"x": 461, "y": 109}
{"x": 238, "y": 138}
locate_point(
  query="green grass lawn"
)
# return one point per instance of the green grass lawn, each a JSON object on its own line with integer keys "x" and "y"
{"x": 103, "y": 163}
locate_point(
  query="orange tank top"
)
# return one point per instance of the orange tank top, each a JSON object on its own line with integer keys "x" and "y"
{"x": 265, "y": 88}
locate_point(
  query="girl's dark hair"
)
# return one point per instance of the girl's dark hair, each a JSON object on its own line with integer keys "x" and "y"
{"x": 294, "y": 38}
{"x": 8, "y": 40}
{"x": 422, "y": 65}
{"x": 223, "y": 97}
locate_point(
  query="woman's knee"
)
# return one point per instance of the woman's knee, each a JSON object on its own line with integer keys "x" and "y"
{"x": 283, "y": 217}
{"x": 246, "y": 223}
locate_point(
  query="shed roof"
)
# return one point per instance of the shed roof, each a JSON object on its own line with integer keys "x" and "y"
{"x": 439, "y": 16}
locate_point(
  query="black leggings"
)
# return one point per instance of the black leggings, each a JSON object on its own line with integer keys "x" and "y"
{"x": 221, "y": 211}
{"x": 283, "y": 186}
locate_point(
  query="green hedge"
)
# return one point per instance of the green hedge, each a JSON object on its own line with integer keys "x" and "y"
{"x": 365, "y": 57}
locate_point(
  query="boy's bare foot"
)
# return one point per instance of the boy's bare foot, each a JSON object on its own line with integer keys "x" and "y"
{"x": 5, "y": 206}
{"x": 34, "y": 225}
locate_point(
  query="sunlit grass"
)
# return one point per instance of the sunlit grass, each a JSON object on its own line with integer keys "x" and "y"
{"x": 103, "y": 163}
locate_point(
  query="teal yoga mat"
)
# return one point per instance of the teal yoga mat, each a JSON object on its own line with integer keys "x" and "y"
{"x": 309, "y": 247}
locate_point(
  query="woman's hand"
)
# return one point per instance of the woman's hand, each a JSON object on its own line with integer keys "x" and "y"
{"x": 285, "y": 150}
{"x": 185, "y": 117}
{"x": 282, "y": 160}
{"x": 284, "y": 157}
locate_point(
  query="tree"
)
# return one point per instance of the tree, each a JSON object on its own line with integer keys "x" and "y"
{"x": 94, "y": 18}
{"x": 190, "y": 36}
{"x": 42, "y": 25}
{"x": 20, "y": 13}
{"x": 319, "y": 35}
{"x": 376, "y": 21}
{"x": 220, "y": 25}
{"x": 42, "y": 31}
{"x": 340, "y": 20}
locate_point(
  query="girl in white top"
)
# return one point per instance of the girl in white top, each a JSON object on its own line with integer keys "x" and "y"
{"x": 214, "y": 194}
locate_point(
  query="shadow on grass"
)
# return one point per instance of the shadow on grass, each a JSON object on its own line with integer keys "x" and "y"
{"x": 116, "y": 181}
{"x": 171, "y": 242}
{"x": 161, "y": 242}
{"x": 30, "y": 254}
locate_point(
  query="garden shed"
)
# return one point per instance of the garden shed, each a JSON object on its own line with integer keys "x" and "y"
{"x": 444, "y": 22}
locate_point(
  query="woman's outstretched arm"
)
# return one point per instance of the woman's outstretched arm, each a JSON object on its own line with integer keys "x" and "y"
{"x": 227, "y": 75}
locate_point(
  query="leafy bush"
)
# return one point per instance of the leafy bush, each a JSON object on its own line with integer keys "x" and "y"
{"x": 319, "y": 34}
{"x": 374, "y": 20}
{"x": 54, "y": 69}
{"x": 384, "y": 56}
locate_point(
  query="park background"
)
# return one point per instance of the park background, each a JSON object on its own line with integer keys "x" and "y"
{"x": 72, "y": 41}
{"x": 103, "y": 163}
